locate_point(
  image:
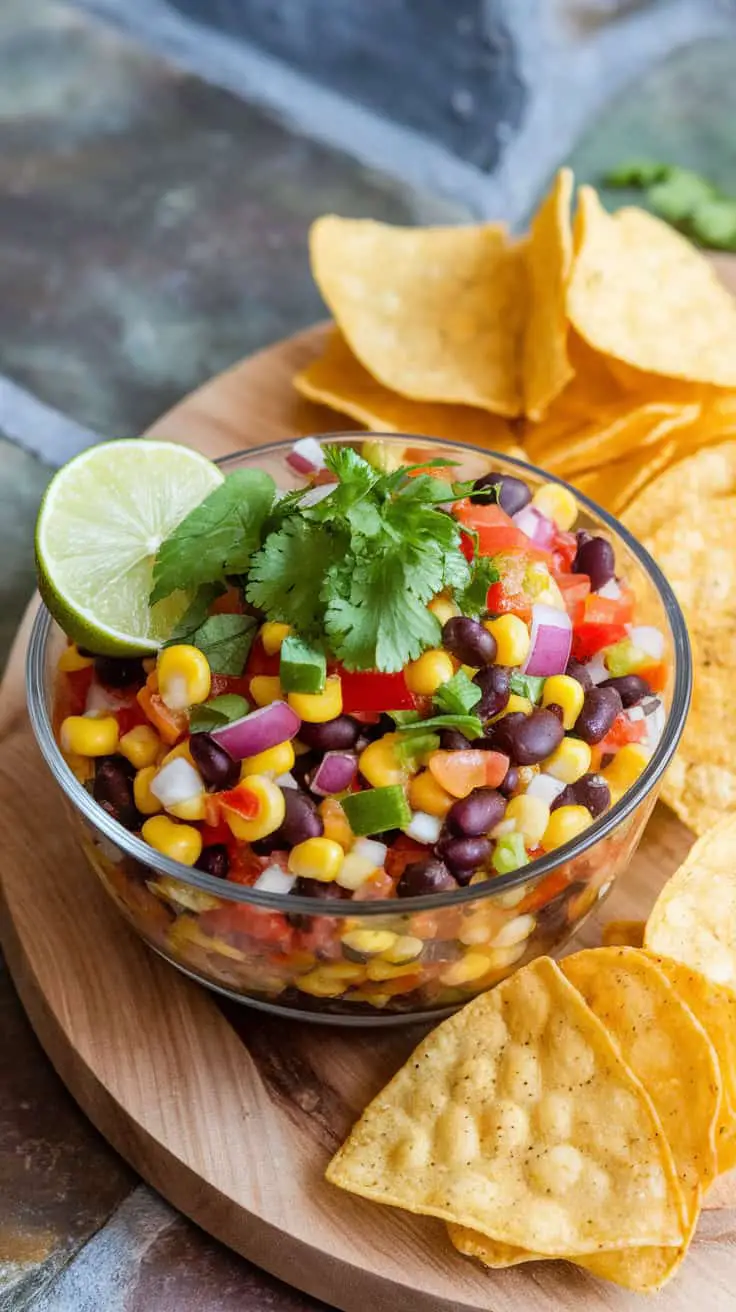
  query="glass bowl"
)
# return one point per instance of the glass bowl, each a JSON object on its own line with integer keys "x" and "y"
{"x": 285, "y": 954}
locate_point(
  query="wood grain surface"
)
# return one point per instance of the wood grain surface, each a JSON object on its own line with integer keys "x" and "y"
{"x": 233, "y": 1119}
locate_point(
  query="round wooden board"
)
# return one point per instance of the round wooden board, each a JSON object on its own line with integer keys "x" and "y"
{"x": 234, "y": 1119}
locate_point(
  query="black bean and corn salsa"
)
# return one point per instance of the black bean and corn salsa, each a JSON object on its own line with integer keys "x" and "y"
{"x": 387, "y": 684}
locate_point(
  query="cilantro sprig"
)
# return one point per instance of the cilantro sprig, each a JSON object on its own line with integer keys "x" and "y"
{"x": 683, "y": 198}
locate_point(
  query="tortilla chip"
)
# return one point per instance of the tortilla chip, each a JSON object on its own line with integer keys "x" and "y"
{"x": 547, "y": 366}
{"x": 518, "y": 1118}
{"x": 613, "y": 434}
{"x": 435, "y": 314}
{"x": 706, "y": 476}
{"x": 338, "y": 380}
{"x": 616, "y": 485}
{"x": 623, "y": 933}
{"x": 641, "y": 293}
{"x": 694, "y": 917}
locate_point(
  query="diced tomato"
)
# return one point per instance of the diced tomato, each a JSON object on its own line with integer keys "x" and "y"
{"x": 564, "y": 550}
{"x": 460, "y": 772}
{"x": 467, "y": 546}
{"x": 401, "y": 854}
{"x": 212, "y": 815}
{"x": 171, "y": 725}
{"x": 496, "y": 530}
{"x": 379, "y": 886}
{"x": 587, "y": 639}
{"x": 609, "y": 610}
{"x": 623, "y": 730}
{"x": 228, "y": 683}
{"x": 215, "y": 832}
{"x": 259, "y": 662}
{"x": 237, "y": 918}
{"x": 545, "y": 890}
{"x": 655, "y": 675}
{"x": 574, "y": 589}
{"x": 128, "y": 717}
{"x": 230, "y": 603}
{"x": 369, "y": 690}
{"x": 78, "y": 684}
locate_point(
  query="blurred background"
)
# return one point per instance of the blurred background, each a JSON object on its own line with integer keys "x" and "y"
{"x": 160, "y": 163}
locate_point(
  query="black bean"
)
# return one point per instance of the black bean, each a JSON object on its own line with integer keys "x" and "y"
{"x": 513, "y": 493}
{"x": 599, "y": 710}
{"x": 463, "y": 856}
{"x": 265, "y": 846}
{"x": 384, "y": 725}
{"x": 301, "y": 820}
{"x": 494, "y": 684}
{"x": 321, "y": 891}
{"x": 577, "y": 671}
{"x": 451, "y": 740}
{"x": 469, "y": 641}
{"x": 630, "y": 688}
{"x": 304, "y": 765}
{"x": 510, "y": 781}
{"x": 596, "y": 559}
{"x": 477, "y": 813}
{"x": 216, "y": 766}
{"x": 590, "y": 791}
{"x": 533, "y": 737}
{"x": 501, "y": 735}
{"x": 556, "y": 710}
{"x": 214, "y": 861}
{"x": 336, "y": 735}
{"x": 426, "y": 876}
{"x": 119, "y": 671}
{"x": 113, "y": 790}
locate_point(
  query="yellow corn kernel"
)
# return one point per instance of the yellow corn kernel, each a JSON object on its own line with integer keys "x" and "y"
{"x": 379, "y": 764}
{"x": 512, "y": 639}
{"x": 271, "y": 809}
{"x": 565, "y": 824}
{"x": 354, "y": 871}
{"x": 369, "y": 942}
{"x": 194, "y": 808}
{"x": 179, "y": 842}
{"x": 569, "y": 762}
{"x": 349, "y": 971}
{"x": 145, "y": 800}
{"x": 184, "y": 677}
{"x": 515, "y": 703}
{"x": 557, "y": 503}
{"x": 514, "y": 931}
{"x": 265, "y": 688}
{"x": 317, "y": 707}
{"x": 335, "y": 821}
{"x": 530, "y": 816}
{"x": 443, "y": 608}
{"x": 426, "y": 675}
{"x": 625, "y": 768}
{"x": 406, "y": 948}
{"x": 87, "y": 735}
{"x": 316, "y": 858}
{"x": 140, "y": 746}
{"x": 319, "y": 985}
{"x": 182, "y": 749}
{"x": 80, "y": 766}
{"x": 466, "y": 970}
{"x": 70, "y": 660}
{"x": 386, "y": 459}
{"x": 272, "y": 636}
{"x": 275, "y": 761}
{"x": 560, "y": 690}
{"x": 379, "y": 969}
{"x": 425, "y": 794}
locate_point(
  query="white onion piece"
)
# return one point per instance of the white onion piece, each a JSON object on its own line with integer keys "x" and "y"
{"x": 655, "y": 722}
{"x": 275, "y": 880}
{"x": 306, "y": 456}
{"x": 100, "y": 699}
{"x": 648, "y": 639}
{"x": 610, "y": 590}
{"x": 423, "y": 827}
{"x": 176, "y": 782}
{"x": 536, "y": 525}
{"x": 551, "y": 640}
{"x": 634, "y": 713}
{"x": 258, "y": 731}
{"x": 316, "y": 494}
{"x": 596, "y": 668}
{"x": 370, "y": 850}
{"x": 335, "y": 772}
{"x": 545, "y": 787}
{"x": 286, "y": 781}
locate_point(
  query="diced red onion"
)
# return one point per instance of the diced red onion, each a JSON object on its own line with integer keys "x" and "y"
{"x": 371, "y": 850}
{"x": 306, "y": 456}
{"x": 176, "y": 782}
{"x": 316, "y": 494}
{"x": 546, "y": 787}
{"x": 275, "y": 880}
{"x": 551, "y": 641}
{"x": 423, "y": 827}
{"x": 648, "y": 639}
{"x": 536, "y": 526}
{"x": 597, "y": 669}
{"x": 610, "y": 590}
{"x": 258, "y": 731}
{"x": 334, "y": 774}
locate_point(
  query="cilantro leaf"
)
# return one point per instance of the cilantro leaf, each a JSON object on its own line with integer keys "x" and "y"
{"x": 216, "y": 712}
{"x": 217, "y": 537}
{"x": 458, "y": 696}
{"x": 713, "y": 224}
{"x": 472, "y": 600}
{"x": 195, "y": 614}
{"x": 226, "y": 641}
{"x": 636, "y": 173}
{"x": 527, "y": 685}
{"x": 287, "y": 576}
{"x": 678, "y": 196}
{"x": 470, "y": 725}
{"x": 412, "y": 750}
{"x": 376, "y": 617}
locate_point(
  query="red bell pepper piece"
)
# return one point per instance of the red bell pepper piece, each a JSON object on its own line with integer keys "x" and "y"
{"x": 496, "y": 530}
{"x": 369, "y": 690}
{"x": 545, "y": 890}
{"x": 241, "y": 800}
{"x": 564, "y": 550}
{"x": 587, "y": 639}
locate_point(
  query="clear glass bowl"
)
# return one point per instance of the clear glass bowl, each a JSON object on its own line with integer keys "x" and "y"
{"x": 285, "y": 954}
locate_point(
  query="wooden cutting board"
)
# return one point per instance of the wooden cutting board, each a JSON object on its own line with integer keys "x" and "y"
{"x": 233, "y": 1117}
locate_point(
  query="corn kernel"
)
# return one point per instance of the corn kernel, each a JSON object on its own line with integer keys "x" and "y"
{"x": 70, "y": 660}
{"x": 145, "y": 800}
{"x": 625, "y": 768}
{"x": 318, "y": 707}
{"x": 354, "y": 871}
{"x": 182, "y": 750}
{"x": 265, "y": 688}
{"x": 565, "y": 692}
{"x": 316, "y": 858}
{"x": 270, "y": 814}
{"x": 319, "y": 985}
{"x": 275, "y": 761}
{"x": 178, "y": 842}
{"x": 335, "y": 822}
{"x": 184, "y": 677}
{"x": 80, "y": 766}
{"x": 383, "y": 970}
{"x": 514, "y": 704}
{"x": 89, "y": 736}
{"x": 425, "y": 794}
{"x": 193, "y": 808}
{"x": 569, "y": 762}
{"x": 140, "y": 746}
{"x": 349, "y": 971}
{"x": 425, "y": 675}
{"x": 467, "y": 969}
{"x": 558, "y": 504}
{"x": 379, "y": 763}
{"x": 502, "y": 958}
{"x": 512, "y": 639}
{"x": 565, "y": 824}
{"x": 406, "y": 948}
{"x": 443, "y": 608}
{"x": 369, "y": 942}
{"x": 514, "y": 931}
{"x": 272, "y": 636}
{"x": 530, "y": 816}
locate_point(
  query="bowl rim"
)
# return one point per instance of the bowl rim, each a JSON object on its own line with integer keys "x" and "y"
{"x": 133, "y": 846}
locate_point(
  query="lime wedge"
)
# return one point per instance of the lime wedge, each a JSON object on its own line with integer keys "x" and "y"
{"x": 101, "y": 522}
